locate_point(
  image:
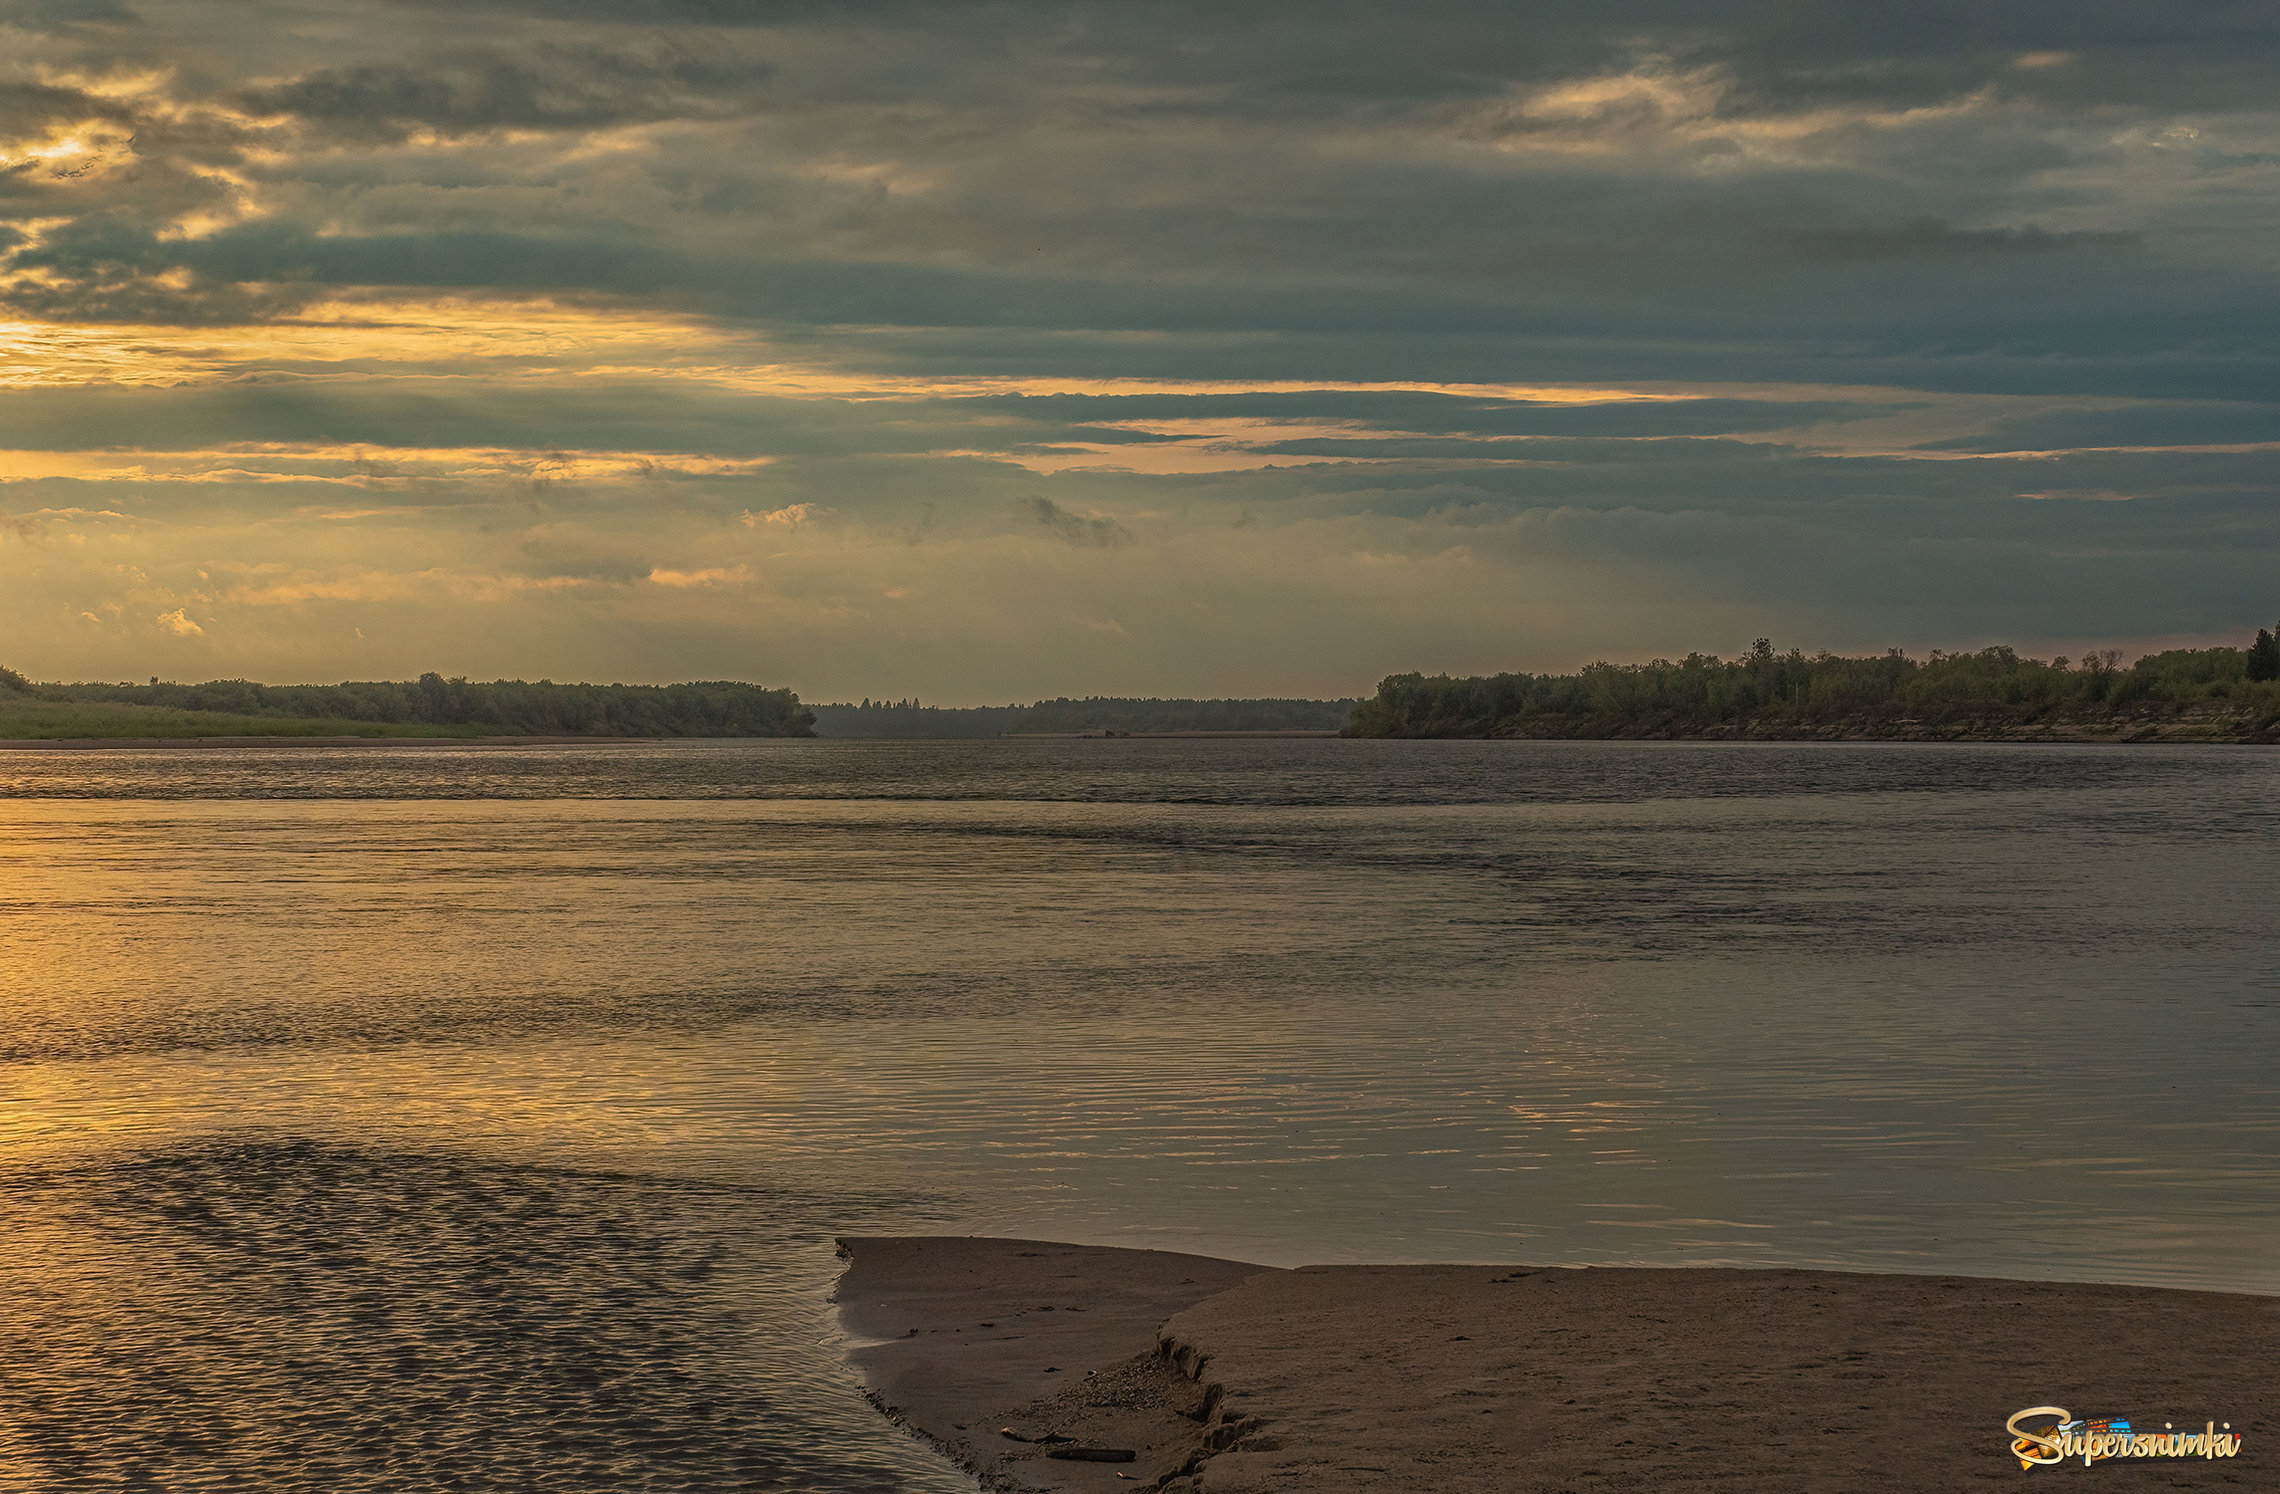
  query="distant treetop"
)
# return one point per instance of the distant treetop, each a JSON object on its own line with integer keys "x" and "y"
{"x": 1764, "y": 693}
{"x": 702, "y": 708}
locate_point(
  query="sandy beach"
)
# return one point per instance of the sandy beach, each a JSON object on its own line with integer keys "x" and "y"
{"x": 1033, "y": 1363}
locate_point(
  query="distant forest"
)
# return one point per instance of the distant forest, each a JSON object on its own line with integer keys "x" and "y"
{"x": 2229, "y": 694}
{"x": 2209, "y": 694}
{"x": 1099, "y": 713}
{"x": 710, "y": 708}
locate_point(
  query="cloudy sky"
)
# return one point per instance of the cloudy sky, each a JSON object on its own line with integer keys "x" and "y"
{"x": 988, "y": 351}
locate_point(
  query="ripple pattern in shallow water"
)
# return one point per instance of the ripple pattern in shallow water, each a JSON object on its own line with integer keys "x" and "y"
{"x": 309, "y": 1317}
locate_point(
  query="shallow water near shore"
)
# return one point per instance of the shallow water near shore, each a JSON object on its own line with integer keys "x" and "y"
{"x": 419, "y": 1118}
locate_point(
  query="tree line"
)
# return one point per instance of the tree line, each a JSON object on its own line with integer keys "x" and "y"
{"x": 1773, "y": 694}
{"x": 703, "y": 708}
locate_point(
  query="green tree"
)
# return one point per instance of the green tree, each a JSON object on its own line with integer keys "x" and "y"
{"x": 2264, "y": 656}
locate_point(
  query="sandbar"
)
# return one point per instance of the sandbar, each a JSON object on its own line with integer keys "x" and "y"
{"x": 1222, "y": 1377}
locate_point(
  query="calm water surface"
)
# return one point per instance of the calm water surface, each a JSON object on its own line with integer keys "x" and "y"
{"x": 440, "y": 1118}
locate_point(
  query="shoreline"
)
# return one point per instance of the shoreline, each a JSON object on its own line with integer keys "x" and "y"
{"x": 2178, "y": 723}
{"x": 129, "y": 744}
{"x": 1467, "y": 1379}
{"x": 116, "y": 744}
{"x": 2175, "y": 733}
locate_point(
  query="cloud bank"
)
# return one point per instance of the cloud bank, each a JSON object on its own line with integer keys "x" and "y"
{"x": 988, "y": 351}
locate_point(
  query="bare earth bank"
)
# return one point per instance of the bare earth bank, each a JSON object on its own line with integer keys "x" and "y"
{"x": 1226, "y": 1378}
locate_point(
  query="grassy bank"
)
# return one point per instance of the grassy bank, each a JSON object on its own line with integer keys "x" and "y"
{"x": 26, "y": 718}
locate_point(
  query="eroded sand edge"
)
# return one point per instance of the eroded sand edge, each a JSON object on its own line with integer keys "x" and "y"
{"x": 1228, "y": 1378}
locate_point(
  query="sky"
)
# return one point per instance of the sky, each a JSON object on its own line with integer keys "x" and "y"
{"x": 983, "y": 352}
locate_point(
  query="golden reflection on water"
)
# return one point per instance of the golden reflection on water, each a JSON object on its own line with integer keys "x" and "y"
{"x": 1015, "y": 1001}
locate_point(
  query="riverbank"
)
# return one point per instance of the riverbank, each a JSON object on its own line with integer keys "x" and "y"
{"x": 1488, "y": 1379}
{"x": 2214, "y": 727}
{"x": 108, "y": 744}
{"x": 2204, "y": 724}
{"x": 429, "y": 707}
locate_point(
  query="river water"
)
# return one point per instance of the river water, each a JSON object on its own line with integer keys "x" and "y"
{"x": 420, "y": 1118}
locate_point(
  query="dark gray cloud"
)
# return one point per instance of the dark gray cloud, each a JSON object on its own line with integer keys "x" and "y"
{"x": 655, "y": 416}
{"x": 2171, "y": 423}
{"x": 28, "y": 107}
{"x": 1923, "y": 236}
{"x": 1423, "y": 191}
{"x": 2013, "y": 326}
{"x": 45, "y": 15}
{"x": 1094, "y": 530}
{"x": 539, "y": 88}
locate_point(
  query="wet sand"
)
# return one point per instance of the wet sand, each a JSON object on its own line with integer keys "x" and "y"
{"x": 1471, "y": 1379}
{"x": 960, "y": 1338}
